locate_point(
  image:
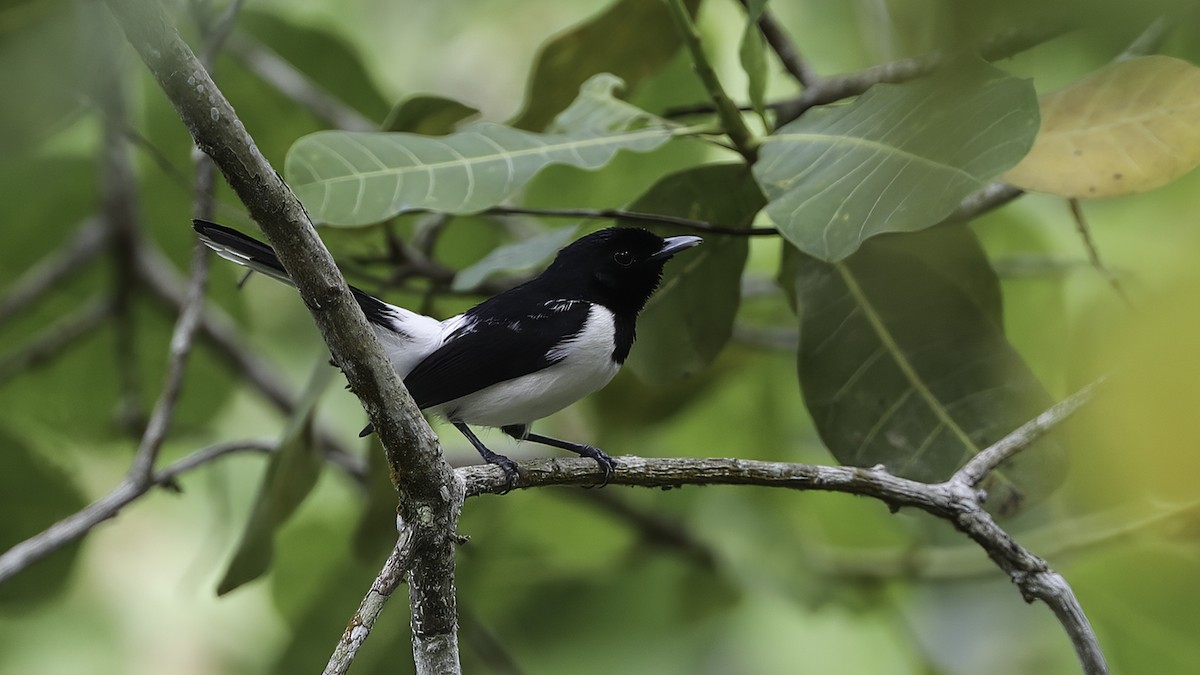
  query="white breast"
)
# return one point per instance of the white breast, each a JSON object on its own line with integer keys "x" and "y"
{"x": 587, "y": 366}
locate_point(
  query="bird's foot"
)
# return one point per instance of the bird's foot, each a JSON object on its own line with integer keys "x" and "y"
{"x": 608, "y": 465}
{"x": 511, "y": 472}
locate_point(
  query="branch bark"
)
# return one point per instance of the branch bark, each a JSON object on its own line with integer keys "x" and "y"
{"x": 131, "y": 488}
{"x": 372, "y": 604}
{"x": 825, "y": 90}
{"x": 430, "y": 493}
{"x": 951, "y": 500}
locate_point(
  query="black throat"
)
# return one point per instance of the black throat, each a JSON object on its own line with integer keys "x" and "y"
{"x": 626, "y": 326}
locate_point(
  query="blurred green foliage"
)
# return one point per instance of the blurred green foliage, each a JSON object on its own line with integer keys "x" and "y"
{"x": 696, "y": 580}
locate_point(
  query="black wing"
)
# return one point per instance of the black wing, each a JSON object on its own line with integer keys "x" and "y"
{"x": 493, "y": 349}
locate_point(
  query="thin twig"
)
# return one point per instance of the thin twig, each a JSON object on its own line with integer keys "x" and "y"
{"x": 486, "y": 644}
{"x": 734, "y": 125}
{"x": 181, "y": 349}
{"x": 785, "y": 49}
{"x": 966, "y": 562}
{"x": 58, "y": 337}
{"x": 831, "y": 89}
{"x": 284, "y": 77}
{"x": 981, "y": 201}
{"x": 994, "y": 455}
{"x": 360, "y": 625}
{"x": 179, "y": 179}
{"x": 219, "y": 331}
{"x": 130, "y": 488}
{"x": 215, "y": 29}
{"x": 1148, "y": 41}
{"x": 55, "y": 269}
{"x": 1089, "y": 244}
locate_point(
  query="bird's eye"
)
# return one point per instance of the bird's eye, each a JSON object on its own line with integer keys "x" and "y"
{"x": 623, "y": 258}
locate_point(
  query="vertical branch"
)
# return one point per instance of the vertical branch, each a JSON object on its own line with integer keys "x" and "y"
{"x": 430, "y": 492}
{"x": 730, "y": 116}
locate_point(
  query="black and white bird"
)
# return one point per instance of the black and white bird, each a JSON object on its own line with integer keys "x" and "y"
{"x": 520, "y": 355}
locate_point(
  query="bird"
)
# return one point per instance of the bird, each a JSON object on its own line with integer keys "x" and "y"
{"x": 520, "y": 355}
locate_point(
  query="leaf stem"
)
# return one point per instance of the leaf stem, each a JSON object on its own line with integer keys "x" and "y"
{"x": 735, "y": 126}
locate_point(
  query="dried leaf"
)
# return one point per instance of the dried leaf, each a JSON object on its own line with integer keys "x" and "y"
{"x": 1129, "y": 127}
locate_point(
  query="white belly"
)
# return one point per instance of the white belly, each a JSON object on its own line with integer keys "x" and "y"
{"x": 587, "y": 367}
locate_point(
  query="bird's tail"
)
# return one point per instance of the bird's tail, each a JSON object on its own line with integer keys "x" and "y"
{"x": 260, "y": 257}
{"x": 241, "y": 249}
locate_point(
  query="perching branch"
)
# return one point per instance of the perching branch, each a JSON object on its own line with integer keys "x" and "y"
{"x": 955, "y": 500}
{"x": 430, "y": 493}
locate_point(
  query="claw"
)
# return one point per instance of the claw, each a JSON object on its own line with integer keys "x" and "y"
{"x": 608, "y": 465}
{"x": 511, "y": 472}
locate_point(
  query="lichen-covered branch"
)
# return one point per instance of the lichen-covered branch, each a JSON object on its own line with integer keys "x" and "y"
{"x": 952, "y": 500}
{"x": 430, "y": 493}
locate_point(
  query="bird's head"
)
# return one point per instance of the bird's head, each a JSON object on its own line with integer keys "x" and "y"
{"x": 619, "y": 267}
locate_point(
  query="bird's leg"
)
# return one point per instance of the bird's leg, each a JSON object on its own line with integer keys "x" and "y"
{"x": 509, "y": 466}
{"x": 607, "y": 464}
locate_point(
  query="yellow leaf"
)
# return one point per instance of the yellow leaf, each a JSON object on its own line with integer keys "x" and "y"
{"x": 1129, "y": 127}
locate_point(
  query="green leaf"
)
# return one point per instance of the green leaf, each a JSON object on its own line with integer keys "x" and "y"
{"x": 689, "y": 320}
{"x": 519, "y": 256}
{"x": 428, "y": 115}
{"x": 34, "y": 495}
{"x": 290, "y": 476}
{"x": 597, "y": 110}
{"x": 753, "y": 55}
{"x": 347, "y": 178}
{"x": 898, "y": 159}
{"x": 903, "y": 362}
{"x": 599, "y": 46}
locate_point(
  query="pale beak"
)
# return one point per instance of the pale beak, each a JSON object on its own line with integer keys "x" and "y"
{"x": 673, "y": 245}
